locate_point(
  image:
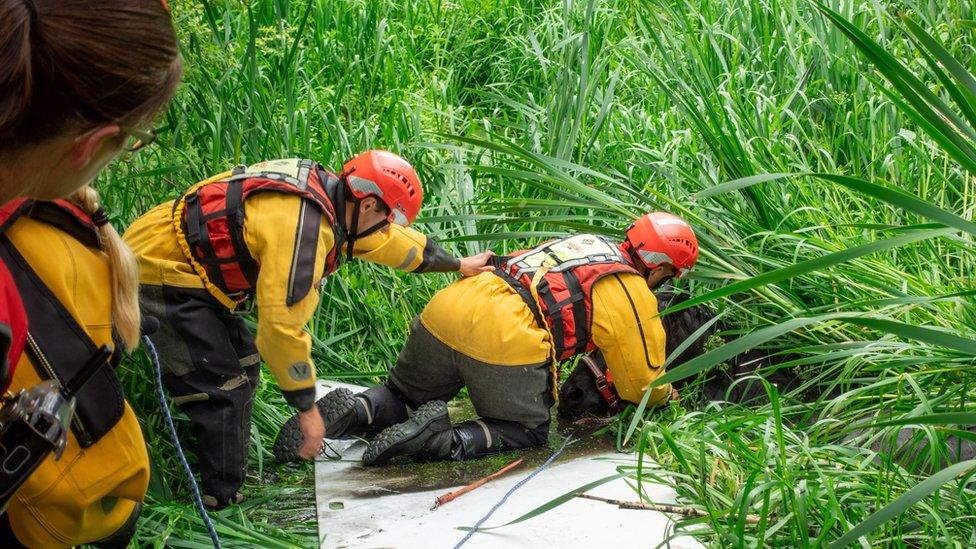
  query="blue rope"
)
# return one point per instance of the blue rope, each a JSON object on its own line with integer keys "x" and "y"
{"x": 518, "y": 485}
{"x": 154, "y": 356}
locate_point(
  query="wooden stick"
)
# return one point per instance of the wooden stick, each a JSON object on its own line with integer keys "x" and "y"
{"x": 451, "y": 496}
{"x": 673, "y": 509}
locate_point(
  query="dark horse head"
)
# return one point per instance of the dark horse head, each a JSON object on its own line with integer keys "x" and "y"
{"x": 735, "y": 381}
{"x": 738, "y": 382}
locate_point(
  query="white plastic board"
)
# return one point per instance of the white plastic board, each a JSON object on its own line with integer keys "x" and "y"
{"x": 357, "y": 507}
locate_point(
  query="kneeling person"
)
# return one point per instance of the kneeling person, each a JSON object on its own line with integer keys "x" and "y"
{"x": 271, "y": 231}
{"x": 501, "y": 335}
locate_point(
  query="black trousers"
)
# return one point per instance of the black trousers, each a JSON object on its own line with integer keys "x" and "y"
{"x": 428, "y": 369}
{"x": 211, "y": 369}
{"x": 513, "y": 402}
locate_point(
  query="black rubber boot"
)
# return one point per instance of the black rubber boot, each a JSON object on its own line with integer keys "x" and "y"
{"x": 485, "y": 437}
{"x": 474, "y": 439}
{"x": 342, "y": 413}
{"x": 427, "y": 436}
{"x": 345, "y": 415}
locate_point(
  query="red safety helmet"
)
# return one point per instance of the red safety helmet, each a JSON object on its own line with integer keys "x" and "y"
{"x": 658, "y": 238}
{"x": 388, "y": 177}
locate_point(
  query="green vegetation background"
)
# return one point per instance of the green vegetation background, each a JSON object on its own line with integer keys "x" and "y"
{"x": 527, "y": 118}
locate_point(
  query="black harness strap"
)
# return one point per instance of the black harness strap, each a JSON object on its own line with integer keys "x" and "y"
{"x": 336, "y": 195}
{"x": 235, "y": 225}
{"x": 497, "y": 262}
{"x": 302, "y": 274}
{"x": 553, "y": 313}
{"x": 59, "y": 348}
{"x": 14, "y": 214}
{"x": 51, "y": 214}
{"x": 197, "y": 235}
{"x": 578, "y": 299}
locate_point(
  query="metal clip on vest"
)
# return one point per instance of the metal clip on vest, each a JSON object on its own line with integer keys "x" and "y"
{"x": 35, "y": 422}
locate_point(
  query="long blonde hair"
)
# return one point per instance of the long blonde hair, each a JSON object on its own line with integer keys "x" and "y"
{"x": 124, "y": 272}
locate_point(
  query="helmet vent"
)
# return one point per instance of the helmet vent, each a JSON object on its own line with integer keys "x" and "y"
{"x": 402, "y": 179}
{"x": 691, "y": 246}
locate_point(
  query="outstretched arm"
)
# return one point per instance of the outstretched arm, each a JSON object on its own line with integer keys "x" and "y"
{"x": 408, "y": 250}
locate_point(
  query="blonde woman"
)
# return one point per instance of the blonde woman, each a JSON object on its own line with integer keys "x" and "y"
{"x": 78, "y": 84}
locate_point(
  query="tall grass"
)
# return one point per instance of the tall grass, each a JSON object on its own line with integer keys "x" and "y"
{"x": 529, "y": 118}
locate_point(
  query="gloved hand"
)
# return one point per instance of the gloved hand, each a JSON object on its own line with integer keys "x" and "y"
{"x": 313, "y": 433}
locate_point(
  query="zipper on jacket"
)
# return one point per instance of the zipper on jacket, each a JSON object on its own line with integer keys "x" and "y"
{"x": 297, "y": 249}
{"x": 640, "y": 325}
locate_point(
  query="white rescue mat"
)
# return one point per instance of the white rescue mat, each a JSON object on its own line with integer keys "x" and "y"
{"x": 391, "y": 506}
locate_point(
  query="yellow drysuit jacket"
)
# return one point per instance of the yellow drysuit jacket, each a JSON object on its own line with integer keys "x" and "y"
{"x": 270, "y": 233}
{"x": 484, "y": 318}
{"x": 89, "y": 493}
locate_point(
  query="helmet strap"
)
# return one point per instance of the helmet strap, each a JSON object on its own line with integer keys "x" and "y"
{"x": 373, "y": 229}
{"x": 351, "y": 234}
{"x": 628, "y": 248}
{"x": 662, "y": 282}
{"x": 636, "y": 261}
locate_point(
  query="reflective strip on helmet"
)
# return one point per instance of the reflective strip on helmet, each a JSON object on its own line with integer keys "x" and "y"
{"x": 671, "y": 221}
{"x": 399, "y": 217}
{"x": 363, "y": 186}
{"x": 654, "y": 258}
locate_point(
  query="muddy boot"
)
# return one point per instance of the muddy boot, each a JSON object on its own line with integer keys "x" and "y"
{"x": 485, "y": 437}
{"x": 474, "y": 439}
{"x": 345, "y": 415}
{"x": 427, "y": 436}
{"x": 339, "y": 404}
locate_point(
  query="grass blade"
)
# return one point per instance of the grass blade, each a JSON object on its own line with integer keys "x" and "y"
{"x": 903, "y": 502}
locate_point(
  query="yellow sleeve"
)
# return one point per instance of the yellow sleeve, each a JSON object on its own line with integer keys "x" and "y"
{"x": 407, "y": 250}
{"x": 628, "y": 330}
{"x": 283, "y": 246}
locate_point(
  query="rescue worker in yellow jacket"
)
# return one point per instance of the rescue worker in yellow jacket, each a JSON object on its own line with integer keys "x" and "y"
{"x": 64, "y": 256}
{"x": 501, "y": 335}
{"x": 79, "y": 82}
{"x": 271, "y": 231}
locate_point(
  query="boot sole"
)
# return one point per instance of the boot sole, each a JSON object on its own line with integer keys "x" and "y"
{"x": 384, "y": 446}
{"x": 331, "y": 407}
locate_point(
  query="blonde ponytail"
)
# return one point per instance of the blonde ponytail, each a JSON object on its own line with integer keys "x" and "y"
{"x": 125, "y": 273}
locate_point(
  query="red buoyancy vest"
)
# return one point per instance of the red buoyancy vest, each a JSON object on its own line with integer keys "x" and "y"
{"x": 564, "y": 272}
{"x": 13, "y": 328}
{"x": 212, "y": 221}
{"x": 13, "y": 319}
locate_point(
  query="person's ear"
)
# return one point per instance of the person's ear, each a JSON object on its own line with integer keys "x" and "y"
{"x": 89, "y": 144}
{"x": 367, "y": 205}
